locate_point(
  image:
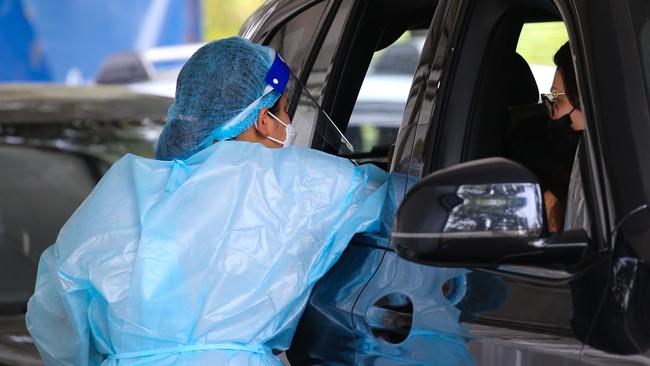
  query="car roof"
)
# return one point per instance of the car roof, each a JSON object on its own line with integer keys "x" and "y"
{"x": 59, "y": 103}
{"x": 137, "y": 66}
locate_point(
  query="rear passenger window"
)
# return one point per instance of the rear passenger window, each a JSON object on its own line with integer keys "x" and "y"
{"x": 292, "y": 39}
{"x": 377, "y": 114}
{"x": 538, "y": 42}
{"x": 318, "y": 74}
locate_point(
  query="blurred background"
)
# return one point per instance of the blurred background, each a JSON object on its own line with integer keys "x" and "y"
{"x": 74, "y": 41}
{"x": 143, "y": 44}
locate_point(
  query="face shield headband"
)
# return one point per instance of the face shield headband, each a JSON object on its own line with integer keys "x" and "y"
{"x": 308, "y": 118}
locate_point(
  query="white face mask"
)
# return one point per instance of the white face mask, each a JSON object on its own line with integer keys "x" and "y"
{"x": 290, "y": 133}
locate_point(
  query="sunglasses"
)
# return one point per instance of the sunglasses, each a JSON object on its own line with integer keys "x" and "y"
{"x": 549, "y": 99}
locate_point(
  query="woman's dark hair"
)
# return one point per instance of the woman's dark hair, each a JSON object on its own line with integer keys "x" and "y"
{"x": 276, "y": 107}
{"x": 558, "y": 182}
{"x": 564, "y": 61}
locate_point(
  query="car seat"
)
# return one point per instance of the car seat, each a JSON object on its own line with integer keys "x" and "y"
{"x": 507, "y": 81}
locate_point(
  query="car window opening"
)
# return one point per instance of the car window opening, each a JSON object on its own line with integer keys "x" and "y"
{"x": 512, "y": 121}
{"x": 378, "y": 111}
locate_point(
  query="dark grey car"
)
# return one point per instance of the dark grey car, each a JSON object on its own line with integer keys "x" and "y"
{"x": 55, "y": 144}
{"x": 533, "y": 298}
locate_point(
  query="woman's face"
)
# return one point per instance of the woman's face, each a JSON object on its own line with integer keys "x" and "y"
{"x": 561, "y": 106}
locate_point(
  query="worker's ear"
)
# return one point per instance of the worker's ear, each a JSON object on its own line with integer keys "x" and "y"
{"x": 263, "y": 123}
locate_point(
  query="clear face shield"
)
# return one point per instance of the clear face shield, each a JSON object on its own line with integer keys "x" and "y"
{"x": 312, "y": 124}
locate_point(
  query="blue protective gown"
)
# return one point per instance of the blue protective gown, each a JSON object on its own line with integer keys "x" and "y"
{"x": 207, "y": 261}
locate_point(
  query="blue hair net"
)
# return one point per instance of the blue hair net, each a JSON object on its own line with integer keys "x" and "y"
{"x": 219, "y": 94}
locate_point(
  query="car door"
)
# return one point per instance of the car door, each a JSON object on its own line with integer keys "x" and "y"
{"x": 344, "y": 70}
{"x": 374, "y": 307}
{"x": 617, "y": 58}
{"x": 591, "y": 311}
{"x": 406, "y": 313}
{"x": 311, "y": 57}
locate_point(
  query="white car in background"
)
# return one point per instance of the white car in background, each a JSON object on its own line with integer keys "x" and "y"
{"x": 153, "y": 71}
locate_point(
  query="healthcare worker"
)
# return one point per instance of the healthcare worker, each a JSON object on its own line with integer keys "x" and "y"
{"x": 206, "y": 255}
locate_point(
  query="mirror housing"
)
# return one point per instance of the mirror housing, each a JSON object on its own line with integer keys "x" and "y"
{"x": 482, "y": 213}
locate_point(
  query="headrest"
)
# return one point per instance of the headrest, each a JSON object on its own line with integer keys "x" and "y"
{"x": 522, "y": 87}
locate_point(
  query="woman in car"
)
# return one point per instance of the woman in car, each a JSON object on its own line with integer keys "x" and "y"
{"x": 563, "y": 104}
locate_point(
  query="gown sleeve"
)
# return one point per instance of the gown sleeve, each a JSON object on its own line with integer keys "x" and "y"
{"x": 61, "y": 334}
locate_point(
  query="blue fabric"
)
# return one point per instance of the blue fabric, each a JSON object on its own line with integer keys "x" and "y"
{"x": 215, "y": 87}
{"x": 207, "y": 261}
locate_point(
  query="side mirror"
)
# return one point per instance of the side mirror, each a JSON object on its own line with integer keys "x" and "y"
{"x": 482, "y": 213}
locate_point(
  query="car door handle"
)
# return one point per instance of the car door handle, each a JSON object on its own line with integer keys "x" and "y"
{"x": 391, "y": 318}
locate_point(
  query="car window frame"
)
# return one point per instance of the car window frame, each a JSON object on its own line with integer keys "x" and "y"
{"x": 284, "y": 12}
{"x": 338, "y": 96}
{"x": 311, "y": 42}
{"x": 602, "y": 103}
{"x": 440, "y": 130}
{"x": 434, "y": 70}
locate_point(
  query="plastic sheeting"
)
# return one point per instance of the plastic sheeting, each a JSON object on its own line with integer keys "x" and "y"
{"x": 204, "y": 261}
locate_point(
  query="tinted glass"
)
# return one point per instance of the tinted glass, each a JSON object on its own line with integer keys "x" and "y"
{"x": 320, "y": 70}
{"x": 292, "y": 39}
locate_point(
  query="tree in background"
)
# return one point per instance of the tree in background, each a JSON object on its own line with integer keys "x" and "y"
{"x": 223, "y": 18}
